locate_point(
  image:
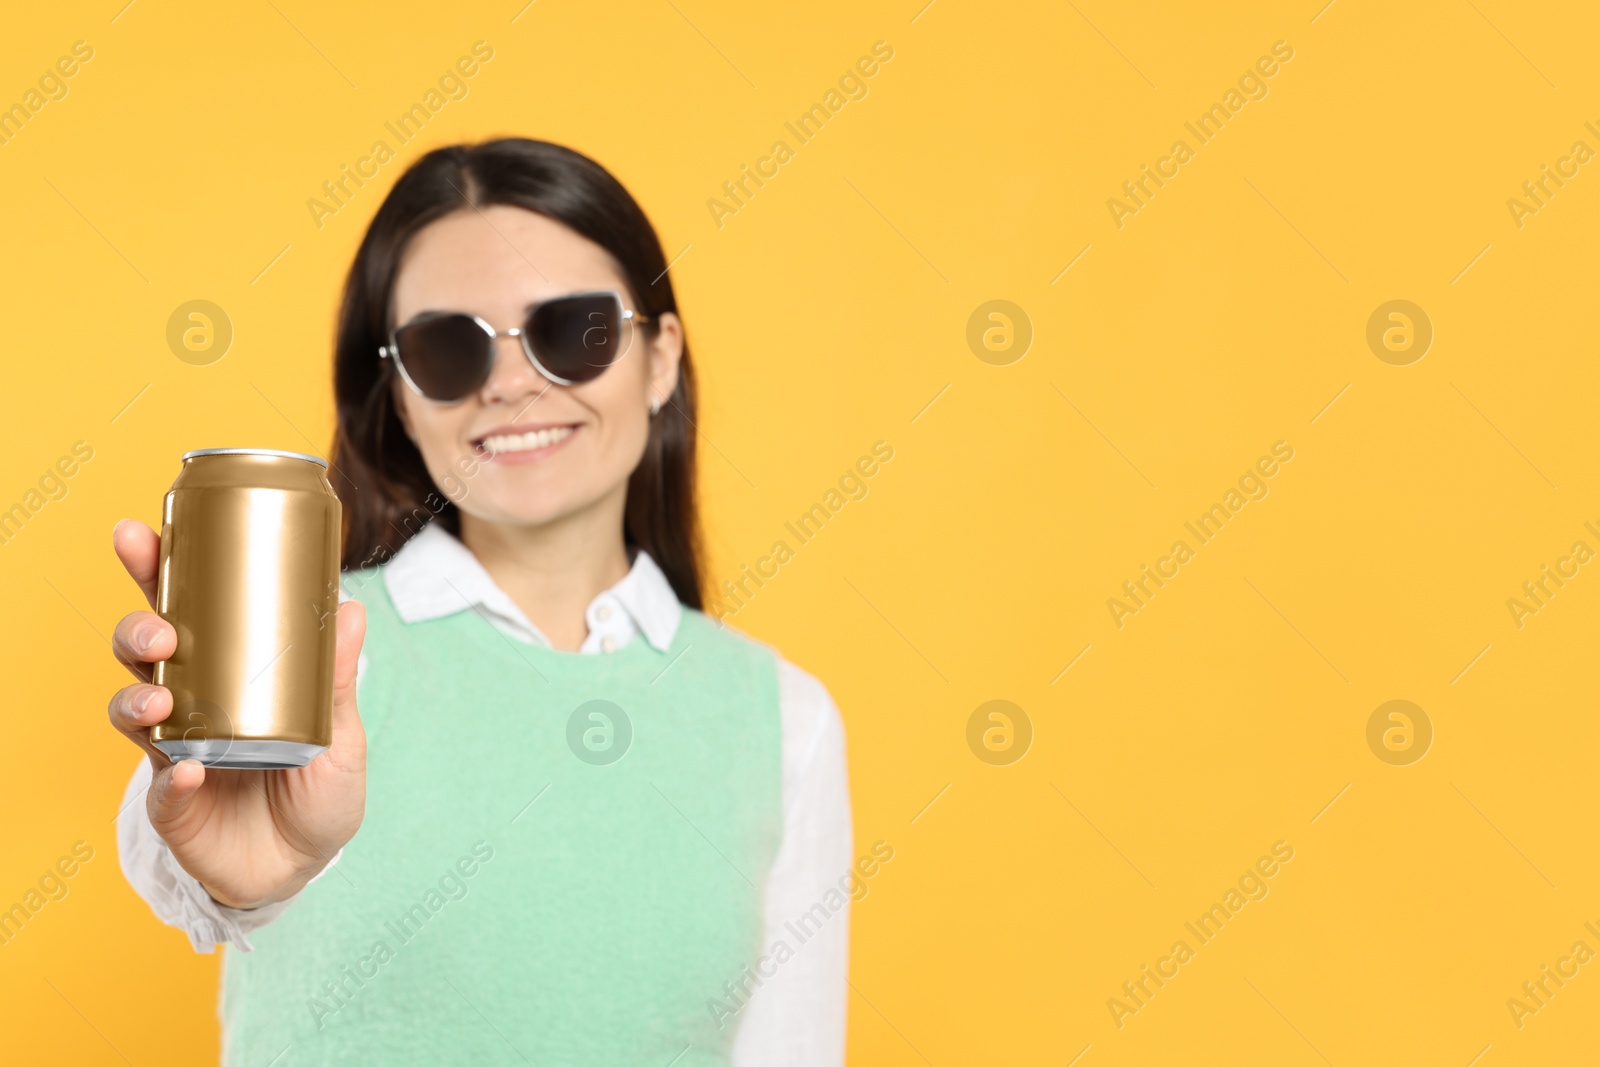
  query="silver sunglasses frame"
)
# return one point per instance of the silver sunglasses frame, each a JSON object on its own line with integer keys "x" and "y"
{"x": 391, "y": 351}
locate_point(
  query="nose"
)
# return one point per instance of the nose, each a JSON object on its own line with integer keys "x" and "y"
{"x": 514, "y": 377}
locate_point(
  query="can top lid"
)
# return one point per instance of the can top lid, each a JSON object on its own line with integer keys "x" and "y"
{"x": 255, "y": 452}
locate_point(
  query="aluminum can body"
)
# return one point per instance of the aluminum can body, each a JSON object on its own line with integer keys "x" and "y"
{"x": 249, "y": 579}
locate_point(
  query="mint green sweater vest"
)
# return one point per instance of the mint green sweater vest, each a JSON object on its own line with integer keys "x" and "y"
{"x": 517, "y": 894}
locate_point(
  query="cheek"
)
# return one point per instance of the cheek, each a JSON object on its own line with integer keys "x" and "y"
{"x": 621, "y": 416}
{"x": 438, "y": 434}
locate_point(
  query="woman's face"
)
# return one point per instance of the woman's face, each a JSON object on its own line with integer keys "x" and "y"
{"x": 523, "y": 450}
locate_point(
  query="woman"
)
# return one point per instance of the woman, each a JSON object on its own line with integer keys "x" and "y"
{"x": 594, "y": 825}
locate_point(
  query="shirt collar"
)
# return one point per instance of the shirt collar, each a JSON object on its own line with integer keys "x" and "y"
{"x": 434, "y": 575}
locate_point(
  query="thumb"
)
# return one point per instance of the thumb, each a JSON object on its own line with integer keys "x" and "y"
{"x": 172, "y": 789}
{"x": 352, "y": 630}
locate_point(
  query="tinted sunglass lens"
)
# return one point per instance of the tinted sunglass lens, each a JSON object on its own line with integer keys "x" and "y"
{"x": 578, "y": 337}
{"x": 448, "y": 357}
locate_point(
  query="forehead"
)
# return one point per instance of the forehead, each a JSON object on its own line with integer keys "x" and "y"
{"x": 495, "y": 261}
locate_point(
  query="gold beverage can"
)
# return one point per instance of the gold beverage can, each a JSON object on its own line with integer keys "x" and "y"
{"x": 249, "y": 578}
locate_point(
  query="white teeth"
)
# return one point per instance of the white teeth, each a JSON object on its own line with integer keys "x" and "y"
{"x": 524, "y": 442}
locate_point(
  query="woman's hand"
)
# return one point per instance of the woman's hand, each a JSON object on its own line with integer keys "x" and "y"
{"x": 251, "y": 837}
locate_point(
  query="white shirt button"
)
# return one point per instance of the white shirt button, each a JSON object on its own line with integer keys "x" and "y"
{"x": 608, "y": 644}
{"x": 604, "y": 613}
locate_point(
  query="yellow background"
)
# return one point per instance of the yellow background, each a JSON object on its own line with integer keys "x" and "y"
{"x": 825, "y": 315}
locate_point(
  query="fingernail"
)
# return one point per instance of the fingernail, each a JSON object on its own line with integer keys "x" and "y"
{"x": 144, "y": 637}
{"x": 141, "y": 703}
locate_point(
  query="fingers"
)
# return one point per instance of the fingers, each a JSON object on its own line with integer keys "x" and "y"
{"x": 139, "y": 548}
{"x": 143, "y": 638}
{"x": 135, "y": 709}
{"x": 138, "y": 707}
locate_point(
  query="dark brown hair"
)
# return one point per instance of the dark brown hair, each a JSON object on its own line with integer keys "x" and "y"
{"x": 386, "y": 491}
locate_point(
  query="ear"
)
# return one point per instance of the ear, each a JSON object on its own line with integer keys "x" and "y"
{"x": 665, "y": 353}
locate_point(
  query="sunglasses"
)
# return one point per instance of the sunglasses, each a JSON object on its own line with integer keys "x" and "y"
{"x": 446, "y": 356}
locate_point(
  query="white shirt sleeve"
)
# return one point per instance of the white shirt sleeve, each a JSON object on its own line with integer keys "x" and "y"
{"x": 175, "y": 895}
{"x": 797, "y": 1014}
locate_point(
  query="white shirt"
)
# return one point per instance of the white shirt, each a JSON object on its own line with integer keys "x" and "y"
{"x": 795, "y": 1016}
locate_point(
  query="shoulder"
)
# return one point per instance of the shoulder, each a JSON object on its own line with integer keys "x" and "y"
{"x": 816, "y": 790}
{"x": 813, "y": 730}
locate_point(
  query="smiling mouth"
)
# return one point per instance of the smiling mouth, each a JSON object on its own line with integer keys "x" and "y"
{"x": 500, "y": 444}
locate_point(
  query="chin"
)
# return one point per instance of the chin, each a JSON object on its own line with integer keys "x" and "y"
{"x": 522, "y": 512}
{"x": 532, "y": 505}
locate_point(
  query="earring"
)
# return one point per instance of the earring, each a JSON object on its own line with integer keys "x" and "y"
{"x": 655, "y": 406}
